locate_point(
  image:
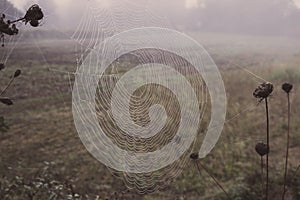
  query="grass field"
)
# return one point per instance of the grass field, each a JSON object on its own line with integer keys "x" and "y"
{"x": 42, "y": 156}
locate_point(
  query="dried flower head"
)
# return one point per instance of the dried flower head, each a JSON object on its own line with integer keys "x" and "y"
{"x": 17, "y": 73}
{"x": 34, "y": 23}
{"x": 263, "y": 90}
{"x": 194, "y": 156}
{"x": 262, "y": 148}
{"x": 6, "y": 101}
{"x": 287, "y": 87}
{"x": 2, "y": 66}
{"x": 33, "y": 15}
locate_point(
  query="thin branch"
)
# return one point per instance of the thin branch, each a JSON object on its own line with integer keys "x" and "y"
{"x": 295, "y": 173}
{"x": 287, "y": 148}
{"x": 262, "y": 176}
{"x": 7, "y": 86}
{"x": 215, "y": 180}
{"x": 17, "y": 20}
{"x": 268, "y": 145}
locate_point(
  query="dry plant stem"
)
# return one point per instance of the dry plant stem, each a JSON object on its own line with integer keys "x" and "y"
{"x": 17, "y": 20}
{"x": 215, "y": 180}
{"x": 268, "y": 145}
{"x": 294, "y": 175}
{"x": 262, "y": 176}
{"x": 296, "y": 171}
{"x": 198, "y": 168}
{"x": 9, "y": 83}
{"x": 287, "y": 147}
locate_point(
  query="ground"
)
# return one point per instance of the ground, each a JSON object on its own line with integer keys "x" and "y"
{"x": 43, "y": 157}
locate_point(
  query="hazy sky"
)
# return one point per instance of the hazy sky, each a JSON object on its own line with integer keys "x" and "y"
{"x": 247, "y": 16}
{"x": 23, "y": 4}
{"x": 64, "y": 4}
{"x": 297, "y": 3}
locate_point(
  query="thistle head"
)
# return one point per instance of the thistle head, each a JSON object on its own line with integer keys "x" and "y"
{"x": 287, "y": 87}
{"x": 17, "y": 73}
{"x": 263, "y": 90}
{"x": 33, "y": 15}
{"x": 34, "y": 23}
{"x": 7, "y": 101}
{"x": 194, "y": 156}
{"x": 2, "y": 66}
{"x": 262, "y": 148}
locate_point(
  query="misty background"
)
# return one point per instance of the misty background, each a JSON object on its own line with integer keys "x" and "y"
{"x": 255, "y": 17}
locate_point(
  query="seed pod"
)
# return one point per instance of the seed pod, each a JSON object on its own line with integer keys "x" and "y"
{"x": 262, "y": 148}
{"x": 17, "y": 73}
{"x": 34, "y": 23}
{"x": 6, "y": 101}
{"x": 2, "y": 66}
{"x": 287, "y": 87}
{"x": 263, "y": 90}
{"x": 34, "y": 13}
{"x": 194, "y": 156}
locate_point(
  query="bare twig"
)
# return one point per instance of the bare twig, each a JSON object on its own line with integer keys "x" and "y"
{"x": 197, "y": 163}
{"x": 7, "y": 86}
{"x": 268, "y": 145}
{"x": 262, "y": 176}
{"x": 287, "y": 87}
{"x": 287, "y": 148}
{"x": 295, "y": 173}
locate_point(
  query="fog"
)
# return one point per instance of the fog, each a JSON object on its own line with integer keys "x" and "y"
{"x": 255, "y": 17}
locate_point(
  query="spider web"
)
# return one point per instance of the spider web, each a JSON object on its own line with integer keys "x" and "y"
{"x": 100, "y": 23}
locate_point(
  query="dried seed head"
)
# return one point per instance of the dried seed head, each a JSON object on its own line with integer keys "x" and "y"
{"x": 263, "y": 90}
{"x": 17, "y": 73}
{"x": 194, "y": 156}
{"x": 262, "y": 148}
{"x": 33, "y": 15}
{"x": 2, "y": 66}
{"x": 287, "y": 87}
{"x": 6, "y": 101}
{"x": 34, "y": 23}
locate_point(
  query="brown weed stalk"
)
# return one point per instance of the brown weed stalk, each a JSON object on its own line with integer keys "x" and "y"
{"x": 195, "y": 157}
{"x": 287, "y": 87}
{"x": 262, "y": 92}
{"x": 262, "y": 149}
{"x": 6, "y": 100}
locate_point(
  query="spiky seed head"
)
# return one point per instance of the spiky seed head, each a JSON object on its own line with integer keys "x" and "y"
{"x": 263, "y": 90}
{"x": 7, "y": 101}
{"x": 194, "y": 156}
{"x": 34, "y": 23}
{"x": 2, "y": 66}
{"x": 262, "y": 148}
{"x": 287, "y": 87}
{"x": 34, "y": 13}
{"x": 17, "y": 73}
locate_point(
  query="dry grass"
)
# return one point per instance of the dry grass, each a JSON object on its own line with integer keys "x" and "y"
{"x": 42, "y": 129}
